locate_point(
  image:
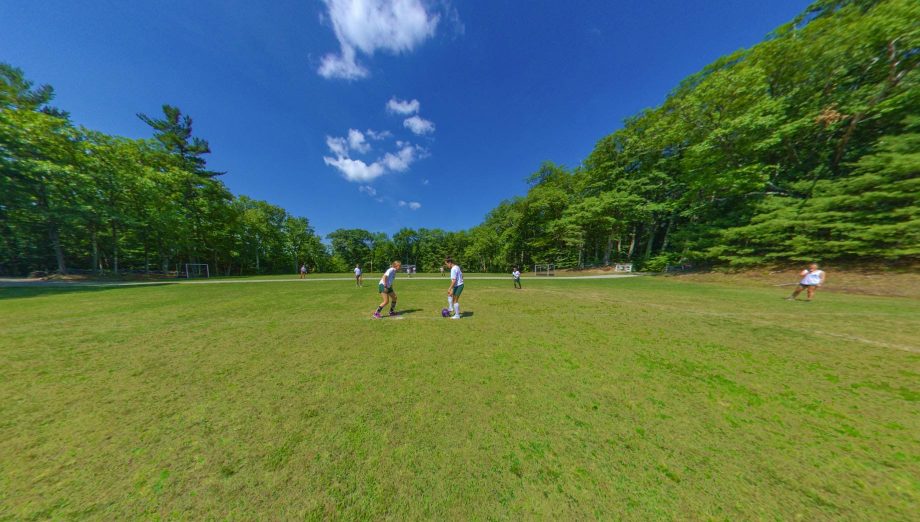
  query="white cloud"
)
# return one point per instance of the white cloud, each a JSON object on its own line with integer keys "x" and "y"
{"x": 377, "y": 136}
{"x": 338, "y": 146}
{"x": 395, "y": 26}
{"x": 357, "y": 142}
{"x": 343, "y": 67}
{"x": 360, "y": 171}
{"x": 419, "y": 125}
{"x": 400, "y": 161}
{"x": 356, "y": 170}
{"x": 413, "y": 205}
{"x": 367, "y": 189}
{"x": 403, "y": 107}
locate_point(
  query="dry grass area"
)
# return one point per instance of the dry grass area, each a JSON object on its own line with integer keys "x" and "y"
{"x": 881, "y": 282}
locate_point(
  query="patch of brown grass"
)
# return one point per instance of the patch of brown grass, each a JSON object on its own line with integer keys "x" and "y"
{"x": 880, "y": 282}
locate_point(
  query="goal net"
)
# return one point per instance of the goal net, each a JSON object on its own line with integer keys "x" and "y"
{"x": 195, "y": 270}
{"x": 409, "y": 269}
{"x": 544, "y": 270}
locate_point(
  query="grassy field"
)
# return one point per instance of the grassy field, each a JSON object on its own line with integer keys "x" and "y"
{"x": 642, "y": 398}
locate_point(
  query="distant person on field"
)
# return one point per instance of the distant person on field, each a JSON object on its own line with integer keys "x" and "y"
{"x": 442, "y": 270}
{"x": 455, "y": 289}
{"x": 516, "y": 274}
{"x": 812, "y": 278}
{"x": 385, "y": 287}
{"x": 303, "y": 271}
{"x": 358, "y": 279}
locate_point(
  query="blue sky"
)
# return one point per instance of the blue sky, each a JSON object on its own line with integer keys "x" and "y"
{"x": 378, "y": 114}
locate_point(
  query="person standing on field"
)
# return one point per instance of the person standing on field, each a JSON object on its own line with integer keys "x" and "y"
{"x": 385, "y": 287}
{"x": 456, "y": 288}
{"x": 358, "y": 278}
{"x": 516, "y": 274}
{"x": 303, "y": 270}
{"x": 812, "y": 278}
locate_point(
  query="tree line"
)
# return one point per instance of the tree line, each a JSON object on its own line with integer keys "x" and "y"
{"x": 803, "y": 147}
{"x": 76, "y": 199}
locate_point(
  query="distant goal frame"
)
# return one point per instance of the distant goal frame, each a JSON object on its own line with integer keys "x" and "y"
{"x": 193, "y": 271}
{"x": 546, "y": 269}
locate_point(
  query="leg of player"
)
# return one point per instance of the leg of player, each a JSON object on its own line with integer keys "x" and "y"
{"x": 457, "y": 291}
{"x": 811, "y": 292}
{"x": 392, "y": 302}
{"x": 386, "y": 299}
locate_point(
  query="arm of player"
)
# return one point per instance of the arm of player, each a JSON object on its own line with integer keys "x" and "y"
{"x": 453, "y": 283}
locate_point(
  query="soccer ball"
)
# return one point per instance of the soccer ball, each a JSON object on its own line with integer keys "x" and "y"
{"x": 445, "y": 312}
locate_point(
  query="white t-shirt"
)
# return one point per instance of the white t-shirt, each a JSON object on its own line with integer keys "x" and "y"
{"x": 388, "y": 277}
{"x": 516, "y": 274}
{"x": 455, "y": 273}
{"x": 812, "y": 278}
{"x": 303, "y": 268}
{"x": 357, "y": 271}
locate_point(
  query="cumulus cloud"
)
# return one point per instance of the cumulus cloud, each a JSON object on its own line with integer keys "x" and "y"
{"x": 403, "y": 106}
{"x": 394, "y": 26}
{"x": 356, "y": 170}
{"x": 377, "y": 136}
{"x": 356, "y": 141}
{"x": 400, "y": 161}
{"x": 359, "y": 171}
{"x": 419, "y": 125}
{"x": 367, "y": 189}
{"x": 412, "y": 205}
{"x": 338, "y": 146}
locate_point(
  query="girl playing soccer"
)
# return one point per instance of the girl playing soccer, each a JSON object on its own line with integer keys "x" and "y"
{"x": 385, "y": 287}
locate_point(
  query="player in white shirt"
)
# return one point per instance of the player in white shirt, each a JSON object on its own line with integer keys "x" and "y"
{"x": 358, "y": 279}
{"x": 385, "y": 287}
{"x": 456, "y": 288}
{"x": 303, "y": 270}
{"x": 811, "y": 280}
{"x": 516, "y": 274}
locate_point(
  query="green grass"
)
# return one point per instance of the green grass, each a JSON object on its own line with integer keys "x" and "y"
{"x": 595, "y": 399}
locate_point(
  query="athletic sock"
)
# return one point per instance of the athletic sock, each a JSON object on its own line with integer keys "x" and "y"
{"x": 393, "y": 306}
{"x": 379, "y": 308}
{"x": 457, "y": 308}
{"x": 450, "y": 304}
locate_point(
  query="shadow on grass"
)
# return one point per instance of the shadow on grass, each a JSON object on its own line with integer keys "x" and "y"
{"x": 27, "y": 290}
{"x": 410, "y": 311}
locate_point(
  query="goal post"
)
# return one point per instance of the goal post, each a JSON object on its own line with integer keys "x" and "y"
{"x": 196, "y": 270}
{"x": 544, "y": 270}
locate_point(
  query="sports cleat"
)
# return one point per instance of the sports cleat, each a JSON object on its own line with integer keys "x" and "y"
{"x": 392, "y": 313}
{"x": 376, "y": 315}
{"x": 455, "y": 317}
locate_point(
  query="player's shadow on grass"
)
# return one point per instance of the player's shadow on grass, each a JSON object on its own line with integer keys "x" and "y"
{"x": 466, "y": 314}
{"x": 25, "y": 291}
{"x": 409, "y": 311}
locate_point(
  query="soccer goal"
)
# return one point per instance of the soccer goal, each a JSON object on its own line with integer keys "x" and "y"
{"x": 195, "y": 270}
{"x": 409, "y": 269}
{"x": 544, "y": 270}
